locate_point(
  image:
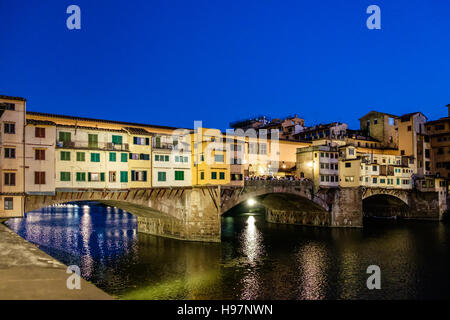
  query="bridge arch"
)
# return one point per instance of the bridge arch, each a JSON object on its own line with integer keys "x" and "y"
{"x": 386, "y": 203}
{"x": 301, "y": 190}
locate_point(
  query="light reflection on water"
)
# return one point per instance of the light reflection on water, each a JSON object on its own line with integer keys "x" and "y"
{"x": 255, "y": 260}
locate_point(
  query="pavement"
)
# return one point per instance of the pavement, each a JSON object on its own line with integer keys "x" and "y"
{"x": 27, "y": 273}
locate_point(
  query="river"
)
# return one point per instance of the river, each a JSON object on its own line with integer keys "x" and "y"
{"x": 255, "y": 260}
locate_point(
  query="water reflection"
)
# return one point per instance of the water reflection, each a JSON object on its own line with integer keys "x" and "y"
{"x": 255, "y": 260}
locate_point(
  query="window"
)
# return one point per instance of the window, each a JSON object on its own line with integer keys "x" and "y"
{"x": 65, "y": 176}
{"x": 214, "y": 175}
{"x": 39, "y": 154}
{"x": 64, "y": 136}
{"x": 222, "y": 175}
{"x": 112, "y": 156}
{"x": 124, "y": 175}
{"x": 112, "y": 176}
{"x": 141, "y": 141}
{"x": 202, "y": 175}
{"x": 375, "y": 121}
{"x": 351, "y": 152}
{"x": 348, "y": 164}
{"x": 374, "y": 168}
{"x": 409, "y": 128}
{"x": 252, "y": 148}
{"x": 179, "y": 175}
{"x": 81, "y": 176}
{"x": 374, "y": 180}
{"x": 92, "y": 140}
{"x": 218, "y": 157}
{"x": 391, "y": 121}
{"x": 134, "y": 156}
{"x": 39, "y": 132}
{"x": 10, "y": 153}
{"x": 65, "y": 155}
{"x": 7, "y": 106}
{"x": 9, "y": 128}
{"x": 144, "y": 156}
{"x": 349, "y": 179}
{"x": 322, "y": 178}
{"x": 262, "y": 148}
{"x": 9, "y": 203}
{"x": 95, "y": 157}
{"x": 117, "y": 139}
{"x": 93, "y": 176}
{"x": 382, "y": 180}
{"x": 9, "y": 179}
{"x": 161, "y": 176}
{"x": 138, "y": 175}
{"x": 123, "y": 157}
{"x": 80, "y": 156}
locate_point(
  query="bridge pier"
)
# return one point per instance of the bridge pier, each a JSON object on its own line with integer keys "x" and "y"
{"x": 346, "y": 207}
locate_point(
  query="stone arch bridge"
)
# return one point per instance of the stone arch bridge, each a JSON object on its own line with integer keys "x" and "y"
{"x": 193, "y": 213}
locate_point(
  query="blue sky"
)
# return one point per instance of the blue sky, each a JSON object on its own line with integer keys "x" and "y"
{"x": 171, "y": 62}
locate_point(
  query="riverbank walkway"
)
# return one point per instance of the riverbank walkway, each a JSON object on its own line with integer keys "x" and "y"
{"x": 27, "y": 273}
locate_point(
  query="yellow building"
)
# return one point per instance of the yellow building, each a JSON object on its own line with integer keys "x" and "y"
{"x": 139, "y": 161}
{"x": 209, "y": 158}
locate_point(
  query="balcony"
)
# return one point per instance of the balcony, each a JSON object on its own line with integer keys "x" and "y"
{"x": 107, "y": 146}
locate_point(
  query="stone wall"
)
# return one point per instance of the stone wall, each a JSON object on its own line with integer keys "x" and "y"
{"x": 424, "y": 205}
{"x": 346, "y": 207}
{"x": 312, "y": 218}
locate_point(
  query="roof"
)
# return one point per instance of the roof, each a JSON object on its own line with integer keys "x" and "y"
{"x": 373, "y": 111}
{"x": 139, "y": 131}
{"x": 51, "y": 115}
{"x": 12, "y": 98}
{"x": 40, "y": 122}
{"x": 411, "y": 114}
{"x": 88, "y": 128}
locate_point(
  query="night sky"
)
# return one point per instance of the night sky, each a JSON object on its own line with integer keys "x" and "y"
{"x": 171, "y": 62}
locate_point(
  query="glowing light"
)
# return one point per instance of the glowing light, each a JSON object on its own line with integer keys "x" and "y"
{"x": 310, "y": 164}
{"x": 251, "y": 202}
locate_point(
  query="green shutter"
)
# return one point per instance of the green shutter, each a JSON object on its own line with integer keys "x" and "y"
{"x": 65, "y": 155}
{"x": 214, "y": 175}
{"x": 81, "y": 176}
{"x": 123, "y": 157}
{"x": 221, "y": 175}
{"x": 166, "y": 158}
{"x": 117, "y": 139}
{"x": 123, "y": 176}
{"x": 92, "y": 140}
{"x": 102, "y": 176}
{"x": 112, "y": 156}
{"x": 65, "y": 136}
{"x": 161, "y": 176}
{"x": 179, "y": 175}
{"x": 80, "y": 156}
{"x": 202, "y": 175}
{"x": 95, "y": 157}
{"x": 65, "y": 176}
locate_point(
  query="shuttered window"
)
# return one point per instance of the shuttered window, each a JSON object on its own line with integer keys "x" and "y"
{"x": 112, "y": 156}
{"x": 80, "y": 156}
{"x": 81, "y": 176}
{"x": 39, "y": 177}
{"x": 179, "y": 175}
{"x": 161, "y": 176}
{"x": 124, "y": 176}
{"x": 65, "y": 176}
{"x": 65, "y": 155}
{"x": 95, "y": 157}
{"x": 123, "y": 157}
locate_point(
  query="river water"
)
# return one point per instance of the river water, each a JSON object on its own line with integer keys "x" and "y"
{"x": 256, "y": 260}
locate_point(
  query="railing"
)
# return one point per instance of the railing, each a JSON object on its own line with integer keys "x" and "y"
{"x": 95, "y": 146}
